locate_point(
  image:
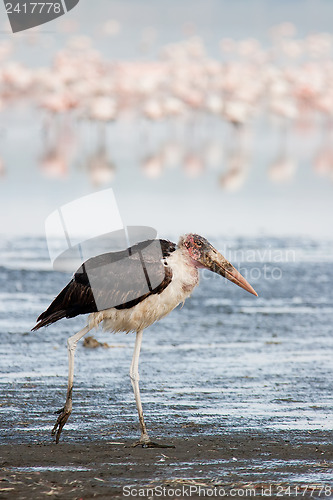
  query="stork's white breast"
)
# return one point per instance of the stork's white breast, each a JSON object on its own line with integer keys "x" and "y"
{"x": 184, "y": 279}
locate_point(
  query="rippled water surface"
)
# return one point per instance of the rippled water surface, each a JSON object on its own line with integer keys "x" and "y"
{"x": 225, "y": 362}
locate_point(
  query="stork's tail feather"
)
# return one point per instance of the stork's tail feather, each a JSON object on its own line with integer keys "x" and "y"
{"x": 45, "y": 320}
{"x": 56, "y": 310}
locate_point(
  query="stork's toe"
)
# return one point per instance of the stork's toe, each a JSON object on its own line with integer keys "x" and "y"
{"x": 64, "y": 414}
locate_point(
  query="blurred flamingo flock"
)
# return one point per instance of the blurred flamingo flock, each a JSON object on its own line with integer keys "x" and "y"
{"x": 208, "y": 109}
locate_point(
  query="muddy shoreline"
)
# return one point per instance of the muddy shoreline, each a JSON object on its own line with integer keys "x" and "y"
{"x": 101, "y": 469}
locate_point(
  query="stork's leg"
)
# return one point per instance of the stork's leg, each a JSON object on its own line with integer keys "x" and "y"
{"x": 65, "y": 412}
{"x": 134, "y": 374}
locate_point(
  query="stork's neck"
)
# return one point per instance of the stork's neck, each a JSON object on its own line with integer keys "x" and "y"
{"x": 184, "y": 270}
{"x": 187, "y": 258}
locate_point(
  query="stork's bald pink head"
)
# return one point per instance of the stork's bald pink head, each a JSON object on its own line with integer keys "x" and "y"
{"x": 196, "y": 245}
{"x": 203, "y": 254}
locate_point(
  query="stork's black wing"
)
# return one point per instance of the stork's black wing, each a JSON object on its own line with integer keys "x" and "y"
{"x": 115, "y": 279}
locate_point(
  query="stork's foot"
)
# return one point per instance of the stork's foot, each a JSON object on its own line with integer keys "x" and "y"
{"x": 64, "y": 414}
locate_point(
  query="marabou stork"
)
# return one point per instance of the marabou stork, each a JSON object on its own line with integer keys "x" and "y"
{"x": 172, "y": 274}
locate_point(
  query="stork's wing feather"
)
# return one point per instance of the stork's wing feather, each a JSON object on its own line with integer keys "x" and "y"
{"x": 115, "y": 279}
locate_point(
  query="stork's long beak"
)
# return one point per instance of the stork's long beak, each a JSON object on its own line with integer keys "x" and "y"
{"x": 214, "y": 261}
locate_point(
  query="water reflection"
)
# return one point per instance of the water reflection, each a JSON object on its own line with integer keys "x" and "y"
{"x": 58, "y": 147}
{"x": 236, "y": 172}
{"x": 2, "y": 168}
{"x": 323, "y": 157}
{"x": 208, "y": 109}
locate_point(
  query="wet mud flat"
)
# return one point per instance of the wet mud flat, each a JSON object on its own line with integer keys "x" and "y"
{"x": 241, "y": 386}
{"x": 270, "y": 464}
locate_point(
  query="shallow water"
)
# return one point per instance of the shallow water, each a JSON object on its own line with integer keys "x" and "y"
{"x": 226, "y": 362}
